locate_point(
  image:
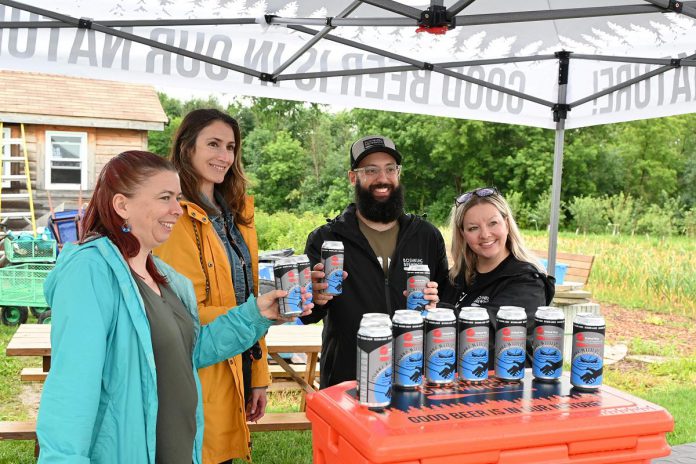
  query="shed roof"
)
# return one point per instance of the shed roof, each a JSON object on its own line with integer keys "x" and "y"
{"x": 37, "y": 98}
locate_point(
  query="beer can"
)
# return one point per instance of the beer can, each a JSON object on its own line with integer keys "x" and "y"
{"x": 286, "y": 278}
{"x": 510, "y": 343}
{"x": 587, "y": 363}
{"x": 374, "y": 362}
{"x": 332, "y": 258}
{"x": 408, "y": 349}
{"x": 304, "y": 270}
{"x": 547, "y": 343}
{"x": 472, "y": 345}
{"x": 417, "y": 278}
{"x": 440, "y": 346}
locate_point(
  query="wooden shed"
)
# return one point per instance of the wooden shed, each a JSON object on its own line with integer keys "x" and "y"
{"x": 73, "y": 126}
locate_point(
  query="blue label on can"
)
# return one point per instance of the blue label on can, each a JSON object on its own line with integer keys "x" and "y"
{"x": 510, "y": 341}
{"x": 408, "y": 355}
{"x": 335, "y": 281}
{"x": 416, "y": 300}
{"x": 440, "y": 346}
{"x": 547, "y": 344}
{"x": 473, "y": 350}
{"x": 587, "y": 366}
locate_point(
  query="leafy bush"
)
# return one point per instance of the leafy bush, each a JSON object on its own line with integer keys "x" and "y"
{"x": 520, "y": 209}
{"x": 286, "y": 230}
{"x": 589, "y": 214}
{"x": 620, "y": 213}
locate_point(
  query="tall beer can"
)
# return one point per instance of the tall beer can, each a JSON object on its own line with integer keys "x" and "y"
{"x": 332, "y": 257}
{"x": 587, "y": 364}
{"x": 374, "y": 355}
{"x": 286, "y": 278}
{"x": 510, "y": 343}
{"x": 417, "y": 278}
{"x": 547, "y": 343}
{"x": 440, "y": 346}
{"x": 472, "y": 344}
{"x": 408, "y": 349}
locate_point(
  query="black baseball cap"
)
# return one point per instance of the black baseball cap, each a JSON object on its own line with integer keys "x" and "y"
{"x": 372, "y": 144}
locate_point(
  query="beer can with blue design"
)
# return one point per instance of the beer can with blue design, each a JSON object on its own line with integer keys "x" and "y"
{"x": 510, "y": 343}
{"x": 408, "y": 349}
{"x": 440, "y": 346}
{"x": 587, "y": 363}
{"x": 332, "y": 257}
{"x": 472, "y": 344}
{"x": 547, "y": 343}
{"x": 374, "y": 356}
{"x": 417, "y": 278}
{"x": 286, "y": 278}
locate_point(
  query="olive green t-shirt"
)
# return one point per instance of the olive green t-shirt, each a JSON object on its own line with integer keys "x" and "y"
{"x": 171, "y": 329}
{"x": 382, "y": 243}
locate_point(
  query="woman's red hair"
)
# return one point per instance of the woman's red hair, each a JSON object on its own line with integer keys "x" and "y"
{"x": 125, "y": 173}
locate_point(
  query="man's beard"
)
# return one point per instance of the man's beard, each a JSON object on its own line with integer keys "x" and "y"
{"x": 384, "y": 211}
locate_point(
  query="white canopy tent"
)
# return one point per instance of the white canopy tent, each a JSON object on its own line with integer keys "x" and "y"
{"x": 542, "y": 63}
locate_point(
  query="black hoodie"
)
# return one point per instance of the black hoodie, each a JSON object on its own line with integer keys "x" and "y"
{"x": 511, "y": 283}
{"x": 367, "y": 290}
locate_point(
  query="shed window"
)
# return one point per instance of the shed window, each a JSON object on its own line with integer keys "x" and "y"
{"x": 66, "y": 160}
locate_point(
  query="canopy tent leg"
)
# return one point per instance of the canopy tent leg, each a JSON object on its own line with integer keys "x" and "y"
{"x": 560, "y": 112}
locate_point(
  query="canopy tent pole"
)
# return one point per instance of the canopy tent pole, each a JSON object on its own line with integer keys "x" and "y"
{"x": 560, "y": 112}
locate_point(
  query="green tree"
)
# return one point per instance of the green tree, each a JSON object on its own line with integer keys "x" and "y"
{"x": 279, "y": 174}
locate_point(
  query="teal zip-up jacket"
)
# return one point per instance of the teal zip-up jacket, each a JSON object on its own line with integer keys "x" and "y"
{"x": 99, "y": 402}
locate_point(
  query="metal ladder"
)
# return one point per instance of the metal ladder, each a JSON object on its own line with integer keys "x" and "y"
{"x": 29, "y": 216}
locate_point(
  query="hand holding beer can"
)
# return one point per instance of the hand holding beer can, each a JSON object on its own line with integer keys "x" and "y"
{"x": 332, "y": 257}
{"x": 417, "y": 278}
{"x": 286, "y": 278}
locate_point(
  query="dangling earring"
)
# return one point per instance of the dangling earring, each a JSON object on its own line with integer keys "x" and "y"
{"x": 125, "y": 227}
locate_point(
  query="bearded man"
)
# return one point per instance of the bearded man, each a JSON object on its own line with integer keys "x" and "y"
{"x": 380, "y": 241}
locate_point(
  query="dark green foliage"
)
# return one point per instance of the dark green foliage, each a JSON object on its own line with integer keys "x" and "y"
{"x": 636, "y": 177}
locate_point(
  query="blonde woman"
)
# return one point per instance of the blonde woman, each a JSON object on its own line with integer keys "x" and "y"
{"x": 491, "y": 265}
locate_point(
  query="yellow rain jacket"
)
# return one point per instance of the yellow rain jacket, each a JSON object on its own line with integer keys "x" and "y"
{"x": 226, "y": 435}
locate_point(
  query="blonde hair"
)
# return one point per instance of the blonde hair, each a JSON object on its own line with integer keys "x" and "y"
{"x": 464, "y": 258}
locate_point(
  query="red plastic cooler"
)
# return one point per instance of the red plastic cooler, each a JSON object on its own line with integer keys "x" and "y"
{"x": 490, "y": 423}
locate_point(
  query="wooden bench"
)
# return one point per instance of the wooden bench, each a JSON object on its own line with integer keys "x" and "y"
{"x": 26, "y": 430}
{"x": 19, "y": 430}
{"x": 33, "y": 374}
{"x": 579, "y": 266}
{"x": 274, "y": 421}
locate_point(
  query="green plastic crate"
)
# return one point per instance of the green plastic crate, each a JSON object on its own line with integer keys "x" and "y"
{"x": 22, "y": 284}
{"x": 27, "y": 249}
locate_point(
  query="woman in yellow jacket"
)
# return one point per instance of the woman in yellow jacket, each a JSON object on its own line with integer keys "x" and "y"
{"x": 214, "y": 244}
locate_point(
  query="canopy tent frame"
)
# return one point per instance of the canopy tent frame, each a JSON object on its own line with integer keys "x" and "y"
{"x": 409, "y": 17}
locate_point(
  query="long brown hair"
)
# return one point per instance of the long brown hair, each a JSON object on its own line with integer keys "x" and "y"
{"x": 125, "y": 173}
{"x": 233, "y": 187}
{"x": 464, "y": 258}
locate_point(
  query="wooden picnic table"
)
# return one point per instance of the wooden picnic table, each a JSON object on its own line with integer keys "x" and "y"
{"x": 35, "y": 340}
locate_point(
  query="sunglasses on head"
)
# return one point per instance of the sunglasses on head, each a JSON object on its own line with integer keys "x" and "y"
{"x": 479, "y": 192}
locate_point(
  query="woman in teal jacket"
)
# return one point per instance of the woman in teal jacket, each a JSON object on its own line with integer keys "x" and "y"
{"x": 124, "y": 324}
